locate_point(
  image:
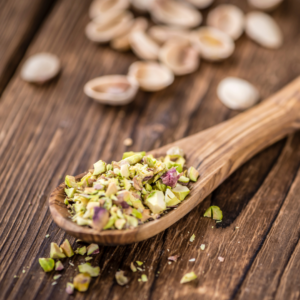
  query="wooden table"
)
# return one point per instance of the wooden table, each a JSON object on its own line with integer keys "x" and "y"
{"x": 49, "y": 131}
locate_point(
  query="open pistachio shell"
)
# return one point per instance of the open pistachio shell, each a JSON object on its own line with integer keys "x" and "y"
{"x": 266, "y": 5}
{"x": 263, "y": 29}
{"x": 143, "y": 46}
{"x": 141, "y": 5}
{"x": 122, "y": 43}
{"x": 237, "y": 93}
{"x": 179, "y": 56}
{"x": 162, "y": 34}
{"x": 101, "y": 7}
{"x": 112, "y": 89}
{"x": 212, "y": 44}
{"x": 201, "y": 3}
{"x": 227, "y": 18}
{"x": 175, "y": 13}
{"x": 151, "y": 76}
{"x": 40, "y": 68}
{"x": 102, "y": 29}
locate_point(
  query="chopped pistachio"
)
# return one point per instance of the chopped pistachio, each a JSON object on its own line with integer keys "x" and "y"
{"x": 156, "y": 202}
{"x": 121, "y": 279}
{"x": 82, "y": 281}
{"x": 202, "y": 247}
{"x": 132, "y": 267}
{"x": 81, "y": 251}
{"x": 140, "y": 263}
{"x": 56, "y": 252}
{"x": 47, "y": 264}
{"x": 87, "y": 268}
{"x": 59, "y": 266}
{"x": 170, "y": 198}
{"x": 193, "y": 174}
{"x": 180, "y": 191}
{"x": 23, "y": 271}
{"x": 54, "y": 283}
{"x": 99, "y": 167}
{"x": 214, "y": 212}
{"x": 144, "y": 278}
{"x": 56, "y": 277}
{"x": 192, "y": 238}
{"x": 70, "y": 192}
{"x": 88, "y": 258}
{"x": 92, "y": 248}
{"x": 67, "y": 248}
{"x": 140, "y": 269}
{"x": 70, "y": 288}
{"x": 137, "y": 214}
{"x": 47, "y": 235}
{"x": 188, "y": 277}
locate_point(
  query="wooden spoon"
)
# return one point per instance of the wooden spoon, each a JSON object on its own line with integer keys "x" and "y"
{"x": 216, "y": 152}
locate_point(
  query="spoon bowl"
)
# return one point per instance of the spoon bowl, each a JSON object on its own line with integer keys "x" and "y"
{"x": 215, "y": 152}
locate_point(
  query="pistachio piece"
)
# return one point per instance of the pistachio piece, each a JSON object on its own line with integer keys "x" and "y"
{"x": 100, "y": 218}
{"x": 183, "y": 180}
{"x": 170, "y": 178}
{"x": 151, "y": 76}
{"x": 156, "y": 202}
{"x": 192, "y": 238}
{"x": 112, "y": 89}
{"x": 175, "y": 13}
{"x": 103, "y": 29}
{"x": 40, "y": 68}
{"x": 212, "y": 44}
{"x": 227, "y": 18}
{"x": 56, "y": 252}
{"x": 180, "y": 191}
{"x": 92, "y": 249}
{"x": 112, "y": 189}
{"x": 70, "y": 192}
{"x": 144, "y": 278}
{"x": 59, "y": 266}
{"x": 175, "y": 152}
{"x": 81, "y": 251}
{"x": 214, "y": 212}
{"x": 170, "y": 198}
{"x": 67, "y": 248}
{"x": 122, "y": 43}
{"x": 179, "y": 56}
{"x": 263, "y": 29}
{"x": 266, "y": 5}
{"x": 87, "y": 268}
{"x": 102, "y": 7}
{"x": 47, "y": 264}
{"x": 99, "y": 167}
{"x": 193, "y": 174}
{"x": 121, "y": 279}
{"x": 188, "y": 277}
{"x": 82, "y": 281}
{"x": 140, "y": 263}
{"x": 120, "y": 223}
{"x": 133, "y": 159}
{"x": 131, "y": 153}
{"x": 132, "y": 267}
{"x": 70, "y": 288}
{"x": 237, "y": 93}
{"x": 143, "y": 46}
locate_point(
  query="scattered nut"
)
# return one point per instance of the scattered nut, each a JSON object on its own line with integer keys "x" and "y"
{"x": 237, "y": 93}
{"x": 128, "y": 142}
{"x": 121, "y": 279}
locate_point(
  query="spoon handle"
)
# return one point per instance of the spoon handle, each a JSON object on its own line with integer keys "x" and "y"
{"x": 219, "y": 151}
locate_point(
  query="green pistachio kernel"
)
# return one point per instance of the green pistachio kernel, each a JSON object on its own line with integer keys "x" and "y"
{"x": 56, "y": 252}
{"x": 132, "y": 267}
{"x": 121, "y": 279}
{"x": 136, "y": 213}
{"x": 140, "y": 263}
{"x": 70, "y": 192}
{"x": 47, "y": 264}
{"x": 180, "y": 191}
{"x": 81, "y": 251}
{"x": 82, "y": 281}
{"x": 144, "y": 278}
{"x": 214, "y": 212}
{"x": 188, "y": 277}
{"x": 156, "y": 202}
{"x": 87, "y": 268}
{"x": 92, "y": 248}
{"x": 170, "y": 198}
{"x": 133, "y": 159}
{"x": 99, "y": 167}
{"x": 193, "y": 174}
{"x": 70, "y": 181}
{"x": 67, "y": 248}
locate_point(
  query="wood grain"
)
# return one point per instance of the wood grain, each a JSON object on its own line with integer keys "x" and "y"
{"x": 19, "y": 21}
{"x": 216, "y": 153}
{"x": 48, "y": 132}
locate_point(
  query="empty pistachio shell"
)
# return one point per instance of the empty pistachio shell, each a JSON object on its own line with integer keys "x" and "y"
{"x": 179, "y": 56}
{"x": 237, "y": 93}
{"x": 161, "y": 34}
{"x": 40, "y": 68}
{"x": 112, "y": 89}
{"x": 101, "y": 7}
{"x": 227, "y": 18}
{"x": 143, "y": 46}
{"x": 201, "y": 3}
{"x": 151, "y": 76}
{"x": 142, "y": 5}
{"x": 102, "y": 29}
{"x": 122, "y": 43}
{"x": 212, "y": 44}
{"x": 175, "y": 13}
{"x": 264, "y": 4}
{"x": 262, "y": 28}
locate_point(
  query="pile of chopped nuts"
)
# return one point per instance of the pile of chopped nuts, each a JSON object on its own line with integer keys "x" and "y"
{"x": 131, "y": 192}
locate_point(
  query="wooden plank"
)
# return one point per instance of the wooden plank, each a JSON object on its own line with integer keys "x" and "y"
{"x": 19, "y": 21}
{"x": 47, "y": 132}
